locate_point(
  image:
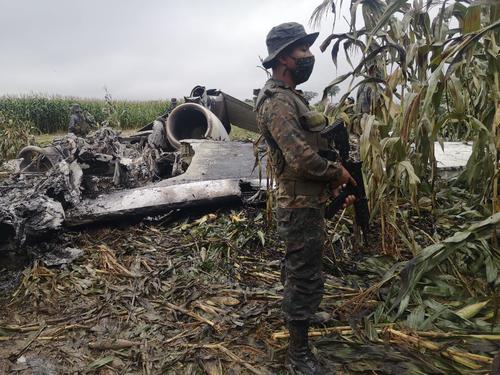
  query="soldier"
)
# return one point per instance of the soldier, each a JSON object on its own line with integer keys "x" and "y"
{"x": 368, "y": 95}
{"x": 350, "y": 105}
{"x": 305, "y": 181}
{"x": 173, "y": 103}
{"x": 78, "y": 124}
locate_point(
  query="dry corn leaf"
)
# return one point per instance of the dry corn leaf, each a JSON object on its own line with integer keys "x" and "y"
{"x": 471, "y": 311}
{"x": 227, "y": 301}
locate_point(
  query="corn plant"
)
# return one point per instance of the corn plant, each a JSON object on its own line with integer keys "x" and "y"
{"x": 50, "y": 114}
{"x": 432, "y": 79}
{"x": 112, "y": 115}
{"x": 14, "y": 135}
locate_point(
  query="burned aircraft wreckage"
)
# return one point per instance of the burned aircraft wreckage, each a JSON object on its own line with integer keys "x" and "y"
{"x": 178, "y": 161}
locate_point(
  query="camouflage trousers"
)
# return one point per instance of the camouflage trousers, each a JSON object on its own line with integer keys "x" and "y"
{"x": 303, "y": 231}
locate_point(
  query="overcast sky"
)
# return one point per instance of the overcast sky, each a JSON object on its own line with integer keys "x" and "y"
{"x": 150, "y": 49}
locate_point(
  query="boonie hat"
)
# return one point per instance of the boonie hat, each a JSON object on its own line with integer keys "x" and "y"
{"x": 74, "y": 107}
{"x": 282, "y": 36}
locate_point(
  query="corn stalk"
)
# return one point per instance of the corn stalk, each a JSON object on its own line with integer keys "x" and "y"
{"x": 431, "y": 79}
{"x": 14, "y": 135}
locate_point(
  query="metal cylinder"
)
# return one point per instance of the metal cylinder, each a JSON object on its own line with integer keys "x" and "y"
{"x": 37, "y": 159}
{"x": 193, "y": 121}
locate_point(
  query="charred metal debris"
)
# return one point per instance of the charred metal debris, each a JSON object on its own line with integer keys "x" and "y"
{"x": 182, "y": 159}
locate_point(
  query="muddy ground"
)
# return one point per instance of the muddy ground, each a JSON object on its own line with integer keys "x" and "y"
{"x": 196, "y": 294}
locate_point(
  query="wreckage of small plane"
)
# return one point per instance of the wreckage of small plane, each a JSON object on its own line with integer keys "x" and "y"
{"x": 181, "y": 160}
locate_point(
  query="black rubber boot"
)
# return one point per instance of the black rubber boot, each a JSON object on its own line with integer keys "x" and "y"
{"x": 299, "y": 359}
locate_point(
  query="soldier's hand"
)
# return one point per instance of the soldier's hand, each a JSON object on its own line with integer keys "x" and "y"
{"x": 350, "y": 199}
{"x": 345, "y": 178}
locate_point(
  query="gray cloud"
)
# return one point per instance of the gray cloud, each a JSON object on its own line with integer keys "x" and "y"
{"x": 145, "y": 50}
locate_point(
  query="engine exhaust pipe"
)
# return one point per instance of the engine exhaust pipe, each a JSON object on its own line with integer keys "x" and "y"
{"x": 193, "y": 121}
{"x": 37, "y": 159}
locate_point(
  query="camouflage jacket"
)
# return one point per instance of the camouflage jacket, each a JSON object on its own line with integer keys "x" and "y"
{"x": 292, "y": 133}
{"x": 78, "y": 125}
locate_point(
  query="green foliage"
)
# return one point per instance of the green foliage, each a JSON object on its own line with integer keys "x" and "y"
{"x": 111, "y": 112}
{"x": 14, "y": 135}
{"x": 471, "y": 244}
{"x": 220, "y": 237}
{"x": 239, "y": 134}
{"x": 333, "y": 91}
{"x": 310, "y": 95}
{"x": 430, "y": 82}
{"x": 434, "y": 76}
{"x": 51, "y": 114}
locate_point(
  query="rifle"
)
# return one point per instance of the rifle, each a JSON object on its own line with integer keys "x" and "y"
{"x": 337, "y": 133}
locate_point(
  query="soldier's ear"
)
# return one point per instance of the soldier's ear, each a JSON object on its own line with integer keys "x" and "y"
{"x": 282, "y": 58}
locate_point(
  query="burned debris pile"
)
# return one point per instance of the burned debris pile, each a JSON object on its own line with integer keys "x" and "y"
{"x": 51, "y": 180}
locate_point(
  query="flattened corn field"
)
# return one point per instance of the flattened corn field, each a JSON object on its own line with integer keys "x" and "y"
{"x": 201, "y": 295}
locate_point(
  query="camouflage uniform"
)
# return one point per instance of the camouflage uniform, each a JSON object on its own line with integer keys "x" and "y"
{"x": 292, "y": 132}
{"x": 78, "y": 124}
{"x": 368, "y": 97}
{"x": 364, "y": 98}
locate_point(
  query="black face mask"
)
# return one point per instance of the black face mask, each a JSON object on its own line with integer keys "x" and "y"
{"x": 303, "y": 69}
